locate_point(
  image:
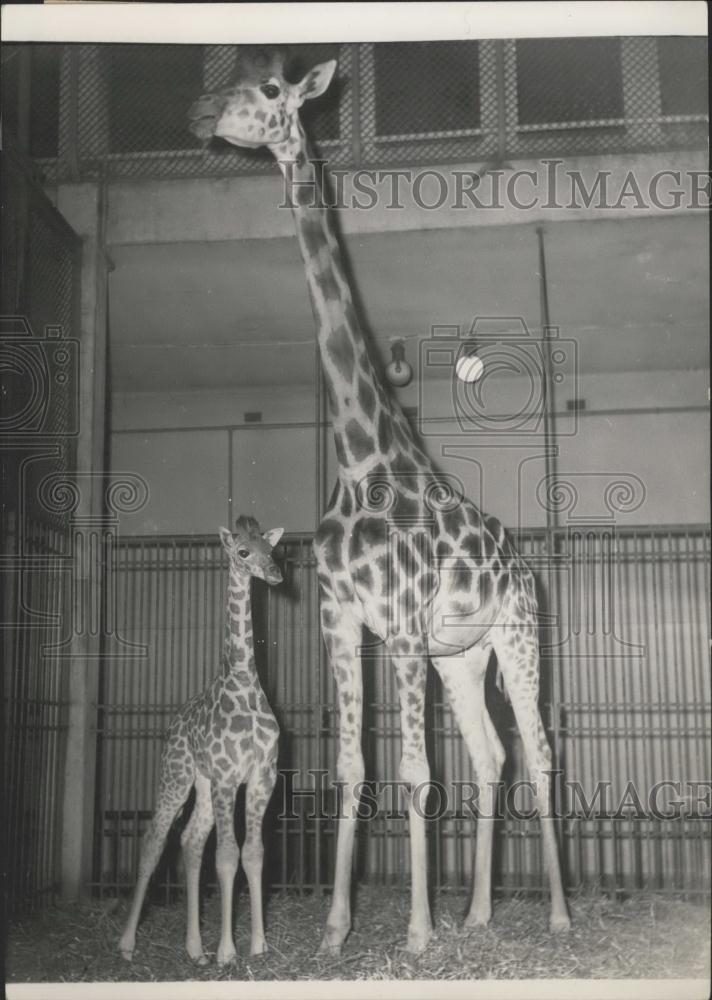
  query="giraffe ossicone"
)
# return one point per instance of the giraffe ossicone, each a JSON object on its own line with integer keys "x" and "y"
{"x": 451, "y": 588}
{"x": 224, "y": 737}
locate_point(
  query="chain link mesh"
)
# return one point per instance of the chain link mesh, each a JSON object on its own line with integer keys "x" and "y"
{"x": 38, "y": 338}
{"x": 122, "y": 109}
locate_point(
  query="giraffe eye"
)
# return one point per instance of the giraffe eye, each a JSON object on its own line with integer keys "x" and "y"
{"x": 270, "y": 90}
{"x": 243, "y": 553}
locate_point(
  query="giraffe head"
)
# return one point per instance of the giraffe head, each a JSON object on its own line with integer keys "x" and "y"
{"x": 260, "y": 107}
{"x": 250, "y": 550}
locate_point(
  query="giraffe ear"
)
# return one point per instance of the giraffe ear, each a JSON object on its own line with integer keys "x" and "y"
{"x": 227, "y": 539}
{"x": 273, "y": 536}
{"x": 315, "y": 82}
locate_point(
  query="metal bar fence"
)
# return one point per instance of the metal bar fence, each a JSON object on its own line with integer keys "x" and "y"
{"x": 35, "y": 710}
{"x": 628, "y": 642}
{"x": 39, "y": 344}
{"x": 120, "y": 110}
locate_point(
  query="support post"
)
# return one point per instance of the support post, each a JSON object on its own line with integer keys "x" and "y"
{"x": 84, "y": 208}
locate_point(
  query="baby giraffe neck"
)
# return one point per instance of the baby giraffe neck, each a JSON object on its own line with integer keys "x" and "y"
{"x": 238, "y": 649}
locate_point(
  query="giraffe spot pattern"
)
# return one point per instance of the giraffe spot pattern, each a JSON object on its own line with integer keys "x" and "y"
{"x": 363, "y": 577}
{"x": 340, "y": 450}
{"x": 460, "y": 575}
{"x": 341, "y": 353}
{"x": 366, "y": 397}
{"x": 239, "y": 723}
{"x": 346, "y": 504}
{"x": 324, "y": 279}
{"x": 401, "y": 464}
{"x": 328, "y": 538}
{"x": 385, "y": 432}
{"x": 406, "y": 507}
{"x": 452, "y": 521}
{"x": 368, "y": 532}
{"x": 358, "y": 440}
{"x": 344, "y": 591}
{"x": 473, "y": 548}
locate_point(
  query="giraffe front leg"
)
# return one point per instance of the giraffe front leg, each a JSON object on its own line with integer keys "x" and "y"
{"x": 259, "y": 789}
{"x": 227, "y": 857}
{"x": 410, "y": 663}
{"x": 342, "y": 636}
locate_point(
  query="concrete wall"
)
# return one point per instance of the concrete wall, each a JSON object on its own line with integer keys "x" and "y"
{"x": 203, "y": 465}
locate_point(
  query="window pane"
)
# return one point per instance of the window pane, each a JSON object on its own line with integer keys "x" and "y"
{"x": 682, "y": 64}
{"x": 150, "y": 89}
{"x": 44, "y": 117}
{"x": 44, "y": 95}
{"x": 568, "y": 79}
{"x": 426, "y": 87}
{"x": 9, "y": 80}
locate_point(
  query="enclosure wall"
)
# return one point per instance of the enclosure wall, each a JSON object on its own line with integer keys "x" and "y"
{"x": 625, "y": 700}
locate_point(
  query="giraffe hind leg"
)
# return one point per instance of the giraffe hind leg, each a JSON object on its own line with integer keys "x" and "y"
{"x": 259, "y": 790}
{"x": 173, "y": 792}
{"x": 464, "y": 682}
{"x": 517, "y": 652}
{"x": 193, "y": 843}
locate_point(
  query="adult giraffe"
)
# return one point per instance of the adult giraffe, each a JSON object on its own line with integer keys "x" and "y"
{"x": 407, "y": 587}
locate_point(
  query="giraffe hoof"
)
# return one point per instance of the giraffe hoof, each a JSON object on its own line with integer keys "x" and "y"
{"x": 417, "y": 941}
{"x": 201, "y": 959}
{"x": 226, "y": 957}
{"x": 477, "y": 920}
{"x": 560, "y": 924}
{"x": 329, "y": 948}
{"x": 126, "y": 953}
{"x": 259, "y": 949}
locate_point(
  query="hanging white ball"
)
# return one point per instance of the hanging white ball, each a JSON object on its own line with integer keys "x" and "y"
{"x": 469, "y": 368}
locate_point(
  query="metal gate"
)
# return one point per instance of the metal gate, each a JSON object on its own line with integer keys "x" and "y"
{"x": 626, "y": 702}
{"x": 41, "y": 258}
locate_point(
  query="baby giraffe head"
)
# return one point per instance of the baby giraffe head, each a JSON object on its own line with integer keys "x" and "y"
{"x": 260, "y": 107}
{"x": 250, "y": 550}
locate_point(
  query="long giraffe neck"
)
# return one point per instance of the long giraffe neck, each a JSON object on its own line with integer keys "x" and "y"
{"x": 367, "y": 424}
{"x": 238, "y": 649}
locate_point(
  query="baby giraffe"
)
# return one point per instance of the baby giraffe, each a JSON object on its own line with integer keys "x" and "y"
{"x": 223, "y": 737}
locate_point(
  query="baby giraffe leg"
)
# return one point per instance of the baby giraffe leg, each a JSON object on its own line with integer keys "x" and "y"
{"x": 226, "y": 861}
{"x": 193, "y": 842}
{"x": 172, "y": 794}
{"x": 259, "y": 789}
